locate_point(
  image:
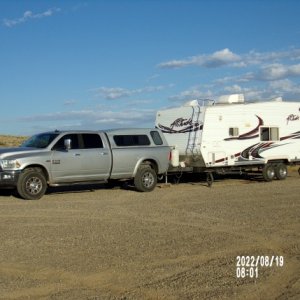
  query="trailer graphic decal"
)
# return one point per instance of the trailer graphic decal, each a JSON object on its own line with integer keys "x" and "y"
{"x": 295, "y": 135}
{"x": 258, "y": 148}
{"x": 255, "y": 150}
{"x": 187, "y": 124}
{"x": 292, "y": 117}
{"x": 250, "y": 134}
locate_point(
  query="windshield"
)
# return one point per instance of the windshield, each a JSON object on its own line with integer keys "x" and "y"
{"x": 40, "y": 140}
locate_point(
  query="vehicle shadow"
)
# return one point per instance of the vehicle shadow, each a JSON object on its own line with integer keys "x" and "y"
{"x": 84, "y": 188}
{"x": 8, "y": 192}
{"x": 78, "y": 188}
{"x": 201, "y": 178}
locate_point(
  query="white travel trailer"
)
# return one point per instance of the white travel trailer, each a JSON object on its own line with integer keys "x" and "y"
{"x": 233, "y": 135}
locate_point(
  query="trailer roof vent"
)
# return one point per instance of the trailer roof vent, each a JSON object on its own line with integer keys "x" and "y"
{"x": 229, "y": 99}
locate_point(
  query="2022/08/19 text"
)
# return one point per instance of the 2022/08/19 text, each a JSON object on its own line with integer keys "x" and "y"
{"x": 248, "y": 266}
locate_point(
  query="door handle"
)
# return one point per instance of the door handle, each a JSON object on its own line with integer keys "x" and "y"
{"x": 77, "y": 154}
{"x": 104, "y": 153}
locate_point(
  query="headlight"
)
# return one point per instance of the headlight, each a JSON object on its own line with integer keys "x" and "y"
{"x": 10, "y": 164}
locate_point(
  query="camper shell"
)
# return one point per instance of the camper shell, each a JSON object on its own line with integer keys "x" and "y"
{"x": 230, "y": 134}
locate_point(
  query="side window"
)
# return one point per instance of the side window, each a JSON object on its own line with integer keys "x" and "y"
{"x": 60, "y": 145}
{"x": 233, "y": 131}
{"x": 91, "y": 140}
{"x": 132, "y": 140}
{"x": 156, "y": 138}
{"x": 269, "y": 134}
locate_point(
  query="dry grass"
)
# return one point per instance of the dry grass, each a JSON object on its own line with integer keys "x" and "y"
{"x": 11, "y": 141}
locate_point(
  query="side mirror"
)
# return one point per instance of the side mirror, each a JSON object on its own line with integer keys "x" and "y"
{"x": 67, "y": 143}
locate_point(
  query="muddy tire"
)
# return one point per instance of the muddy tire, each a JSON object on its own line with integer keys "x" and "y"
{"x": 268, "y": 172}
{"x": 145, "y": 179}
{"x": 281, "y": 171}
{"x": 32, "y": 184}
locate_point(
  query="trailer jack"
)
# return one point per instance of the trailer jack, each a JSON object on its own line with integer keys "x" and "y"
{"x": 209, "y": 179}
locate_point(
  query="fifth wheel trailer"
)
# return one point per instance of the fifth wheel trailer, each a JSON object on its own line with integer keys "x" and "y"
{"x": 232, "y": 135}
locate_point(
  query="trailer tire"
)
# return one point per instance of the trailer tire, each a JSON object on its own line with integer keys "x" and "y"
{"x": 268, "y": 172}
{"x": 145, "y": 179}
{"x": 281, "y": 171}
{"x": 31, "y": 184}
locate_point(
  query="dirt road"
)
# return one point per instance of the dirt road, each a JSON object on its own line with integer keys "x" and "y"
{"x": 180, "y": 242}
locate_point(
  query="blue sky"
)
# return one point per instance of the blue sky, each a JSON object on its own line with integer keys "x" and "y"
{"x": 105, "y": 64}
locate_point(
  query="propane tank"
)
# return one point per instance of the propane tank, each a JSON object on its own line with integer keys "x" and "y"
{"x": 175, "y": 157}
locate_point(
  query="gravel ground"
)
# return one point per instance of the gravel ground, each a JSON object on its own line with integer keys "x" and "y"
{"x": 177, "y": 242}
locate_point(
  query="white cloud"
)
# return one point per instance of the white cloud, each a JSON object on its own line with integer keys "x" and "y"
{"x": 234, "y": 89}
{"x": 152, "y": 77}
{"x": 70, "y": 102}
{"x": 255, "y": 58}
{"x": 217, "y": 59}
{"x": 113, "y": 93}
{"x": 285, "y": 87}
{"x": 190, "y": 94}
{"x": 94, "y": 119}
{"x": 274, "y": 72}
{"x": 117, "y": 92}
{"x": 220, "y": 58}
{"x": 28, "y": 15}
{"x": 227, "y": 57}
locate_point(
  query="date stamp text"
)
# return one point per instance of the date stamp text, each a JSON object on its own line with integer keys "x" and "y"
{"x": 247, "y": 266}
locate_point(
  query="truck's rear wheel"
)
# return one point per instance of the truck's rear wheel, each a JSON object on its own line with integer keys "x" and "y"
{"x": 281, "y": 171}
{"x": 32, "y": 184}
{"x": 145, "y": 179}
{"x": 268, "y": 172}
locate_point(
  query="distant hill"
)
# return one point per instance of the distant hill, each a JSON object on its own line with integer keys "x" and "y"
{"x": 11, "y": 141}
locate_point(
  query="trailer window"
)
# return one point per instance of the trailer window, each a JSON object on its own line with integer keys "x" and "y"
{"x": 132, "y": 140}
{"x": 233, "y": 131}
{"x": 156, "y": 138}
{"x": 269, "y": 134}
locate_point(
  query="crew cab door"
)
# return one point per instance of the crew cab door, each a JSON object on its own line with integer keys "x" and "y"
{"x": 88, "y": 159}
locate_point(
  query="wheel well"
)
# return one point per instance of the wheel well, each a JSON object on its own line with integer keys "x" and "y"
{"x": 277, "y": 161}
{"x": 39, "y": 167}
{"x": 152, "y": 163}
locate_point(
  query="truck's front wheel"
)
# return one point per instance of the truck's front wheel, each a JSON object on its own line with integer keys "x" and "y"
{"x": 145, "y": 179}
{"x": 32, "y": 184}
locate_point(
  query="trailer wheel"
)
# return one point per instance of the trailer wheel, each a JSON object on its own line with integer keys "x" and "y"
{"x": 145, "y": 179}
{"x": 32, "y": 184}
{"x": 281, "y": 171}
{"x": 268, "y": 172}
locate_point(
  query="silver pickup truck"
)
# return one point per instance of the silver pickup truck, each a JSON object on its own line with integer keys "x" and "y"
{"x": 71, "y": 157}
